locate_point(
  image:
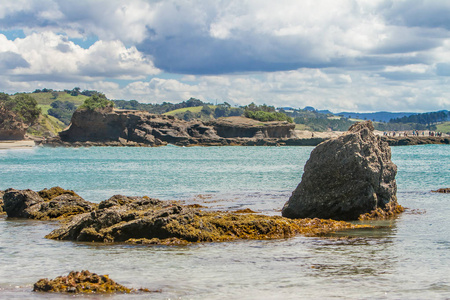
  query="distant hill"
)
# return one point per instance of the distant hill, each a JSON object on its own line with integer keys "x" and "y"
{"x": 381, "y": 116}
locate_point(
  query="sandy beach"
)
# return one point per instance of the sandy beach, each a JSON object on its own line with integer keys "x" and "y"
{"x": 4, "y": 145}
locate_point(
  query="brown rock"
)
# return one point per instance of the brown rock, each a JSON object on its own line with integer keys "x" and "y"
{"x": 54, "y": 203}
{"x": 143, "y": 220}
{"x": 443, "y": 190}
{"x": 138, "y": 128}
{"x": 80, "y": 282}
{"x": 345, "y": 177}
{"x": 11, "y": 127}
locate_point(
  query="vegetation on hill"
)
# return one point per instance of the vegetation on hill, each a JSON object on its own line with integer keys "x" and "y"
{"x": 425, "y": 118}
{"x": 97, "y": 101}
{"x": 265, "y": 113}
{"x": 23, "y": 105}
{"x": 313, "y": 120}
{"x": 158, "y": 108}
{"x": 63, "y": 111}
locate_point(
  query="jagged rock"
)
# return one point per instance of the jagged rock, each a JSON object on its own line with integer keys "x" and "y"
{"x": 82, "y": 282}
{"x": 54, "y": 203}
{"x": 143, "y": 220}
{"x": 345, "y": 177}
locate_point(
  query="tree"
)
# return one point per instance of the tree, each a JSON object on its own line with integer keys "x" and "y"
{"x": 97, "y": 102}
{"x": 24, "y": 106}
{"x": 206, "y": 110}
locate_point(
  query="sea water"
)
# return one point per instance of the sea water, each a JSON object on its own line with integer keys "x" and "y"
{"x": 405, "y": 258}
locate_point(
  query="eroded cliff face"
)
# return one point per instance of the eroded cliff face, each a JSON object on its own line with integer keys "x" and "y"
{"x": 11, "y": 128}
{"x": 126, "y": 127}
{"x": 235, "y": 127}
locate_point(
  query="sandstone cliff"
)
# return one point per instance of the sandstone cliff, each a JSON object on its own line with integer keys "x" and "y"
{"x": 138, "y": 128}
{"x": 11, "y": 128}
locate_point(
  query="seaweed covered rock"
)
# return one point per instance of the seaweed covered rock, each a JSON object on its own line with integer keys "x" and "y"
{"x": 442, "y": 191}
{"x": 346, "y": 177}
{"x": 44, "y": 205}
{"x": 80, "y": 282}
{"x": 142, "y": 220}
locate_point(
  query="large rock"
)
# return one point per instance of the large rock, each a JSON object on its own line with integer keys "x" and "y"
{"x": 47, "y": 204}
{"x": 346, "y": 177}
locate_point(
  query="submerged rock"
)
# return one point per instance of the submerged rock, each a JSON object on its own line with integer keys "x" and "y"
{"x": 443, "y": 190}
{"x": 346, "y": 177}
{"x": 82, "y": 282}
{"x": 44, "y": 205}
{"x": 143, "y": 220}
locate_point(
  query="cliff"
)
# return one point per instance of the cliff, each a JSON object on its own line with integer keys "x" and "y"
{"x": 138, "y": 128}
{"x": 11, "y": 128}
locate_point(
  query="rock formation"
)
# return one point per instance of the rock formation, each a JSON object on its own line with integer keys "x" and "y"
{"x": 143, "y": 220}
{"x": 138, "y": 128}
{"x": 442, "y": 190}
{"x": 346, "y": 177}
{"x": 45, "y": 205}
{"x": 83, "y": 282}
{"x": 11, "y": 128}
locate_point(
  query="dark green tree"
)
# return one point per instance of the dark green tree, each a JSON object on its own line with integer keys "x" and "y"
{"x": 97, "y": 102}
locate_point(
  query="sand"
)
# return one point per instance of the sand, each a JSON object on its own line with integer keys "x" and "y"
{"x": 23, "y": 144}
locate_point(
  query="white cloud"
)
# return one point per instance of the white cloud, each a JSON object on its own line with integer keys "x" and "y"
{"x": 340, "y": 55}
{"x": 53, "y": 57}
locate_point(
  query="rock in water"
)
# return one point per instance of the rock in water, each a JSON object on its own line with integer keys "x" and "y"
{"x": 346, "y": 177}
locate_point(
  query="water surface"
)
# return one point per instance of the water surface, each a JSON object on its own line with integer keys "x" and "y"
{"x": 407, "y": 258}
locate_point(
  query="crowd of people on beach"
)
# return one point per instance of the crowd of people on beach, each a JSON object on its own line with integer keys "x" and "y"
{"x": 413, "y": 133}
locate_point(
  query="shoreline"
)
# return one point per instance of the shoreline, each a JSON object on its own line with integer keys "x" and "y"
{"x": 16, "y": 144}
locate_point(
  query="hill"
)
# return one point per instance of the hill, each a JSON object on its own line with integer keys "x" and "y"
{"x": 381, "y": 116}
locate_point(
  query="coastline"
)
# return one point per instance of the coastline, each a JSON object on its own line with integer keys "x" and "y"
{"x": 16, "y": 144}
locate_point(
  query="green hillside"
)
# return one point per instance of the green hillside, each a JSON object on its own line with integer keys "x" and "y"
{"x": 443, "y": 127}
{"x": 195, "y": 109}
{"x": 49, "y": 97}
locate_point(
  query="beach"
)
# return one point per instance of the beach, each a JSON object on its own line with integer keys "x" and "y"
{"x": 5, "y": 145}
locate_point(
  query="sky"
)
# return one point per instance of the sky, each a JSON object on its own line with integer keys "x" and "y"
{"x": 340, "y": 55}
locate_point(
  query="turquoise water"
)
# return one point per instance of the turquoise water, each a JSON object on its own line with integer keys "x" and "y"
{"x": 407, "y": 258}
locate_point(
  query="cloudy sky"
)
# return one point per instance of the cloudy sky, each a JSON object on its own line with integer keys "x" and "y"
{"x": 341, "y": 55}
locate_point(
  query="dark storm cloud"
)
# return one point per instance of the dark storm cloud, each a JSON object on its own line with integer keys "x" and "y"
{"x": 10, "y": 60}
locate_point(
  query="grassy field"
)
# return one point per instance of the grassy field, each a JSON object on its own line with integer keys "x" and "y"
{"x": 195, "y": 109}
{"x": 47, "y": 98}
{"x": 443, "y": 127}
{"x": 44, "y": 108}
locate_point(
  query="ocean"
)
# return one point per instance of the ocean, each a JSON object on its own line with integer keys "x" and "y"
{"x": 404, "y": 258}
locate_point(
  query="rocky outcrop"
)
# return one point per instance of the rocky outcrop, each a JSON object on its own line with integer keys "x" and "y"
{"x": 240, "y": 127}
{"x": 11, "y": 128}
{"x": 2, "y": 212}
{"x": 83, "y": 282}
{"x": 143, "y": 220}
{"x": 415, "y": 140}
{"x": 138, "y": 128}
{"x": 346, "y": 177}
{"x": 45, "y": 205}
{"x": 443, "y": 191}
